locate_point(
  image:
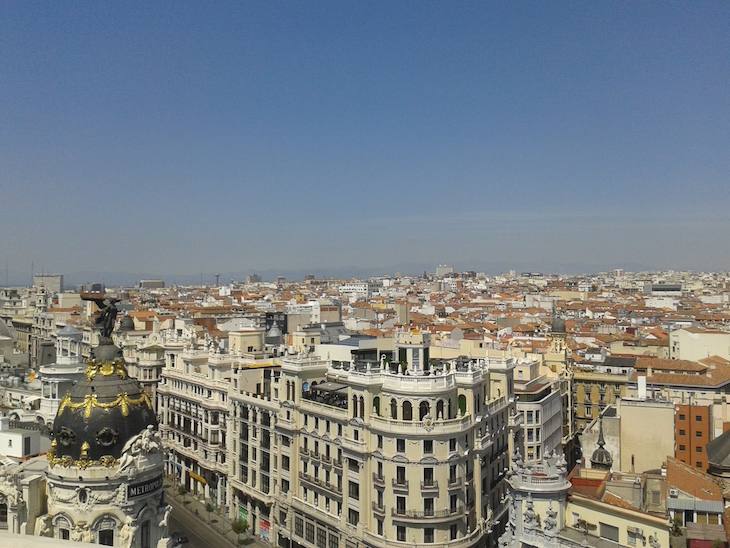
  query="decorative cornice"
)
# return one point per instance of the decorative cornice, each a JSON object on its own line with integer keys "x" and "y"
{"x": 91, "y": 401}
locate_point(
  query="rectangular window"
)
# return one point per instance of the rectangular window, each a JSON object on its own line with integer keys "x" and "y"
{"x": 285, "y": 462}
{"x": 681, "y": 447}
{"x": 354, "y": 490}
{"x": 632, "y": 538}
{"x": 698, "y": 464}
{"x": 608, "y": 531}
{"x": 400, "y": 505}
{"x": 698, "y": 449}
{"x": 428, "y": 535}
{"x": 380, "y": 527}
{"x": 698, "y": 418}
{"x": 454, "y": 531}
{"x": 321, "y": 538}
{"x": 400, "y": 475}
{"x": 428, "y": 477}
{"x": 655, "y": 498}
{"x": 452, "y": 444}
{"x": 401, "y": 533}
{"x": 380, "y": 441}
{"x": 682, "y": 432}
{"x": 400, "y": 445}
{"x": 681, "y": 416}
{"x": 428, "y": 447}
{"x": 106, "y": 537}
{"x": 353, "y": 517}
{"x": 698, "y": 434}
{"x": 310, "y": 533}
{"x": 284, "y": 486}
{"x": 428, "y": 506}
{"x": 145, "y": 535}
{"x": 334, "y": 541}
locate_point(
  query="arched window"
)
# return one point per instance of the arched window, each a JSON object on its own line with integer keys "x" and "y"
{"x": 451, "y": 410}
{"x": 462, "y": 404}
{"x": 362, "y": 407}
{"x": 354, "y": 406}
{"x": 423, "y": 409}
{"x": 440, "y": 409}
{"x": 407, "y": 411}
{"x": 376, "y": 405}
{"x": 3, "y": 516}
{"x": 393, "y": 409}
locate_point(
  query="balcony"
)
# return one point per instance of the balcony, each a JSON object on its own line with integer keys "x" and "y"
{"x": 427, "y": 514}
{"x": 378, "y": 480}
{"x": 378, "y": 509}
{"x": 337, "y": 463}
{"x": 429, "y": 485}
{"x": 400, "y": 484}
{"x": 313, "y": 455}
{"x": 326, "y": 459}
{"x": 319, "y": 483}
{"x": 303, "y": 451}
{"x": 456, "y": 483}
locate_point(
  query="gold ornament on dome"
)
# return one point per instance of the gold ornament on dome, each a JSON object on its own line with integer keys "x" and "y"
{"x": 91, "y": 401}
{"x": 106, "y": 368}
{"x": 83, "y": 462}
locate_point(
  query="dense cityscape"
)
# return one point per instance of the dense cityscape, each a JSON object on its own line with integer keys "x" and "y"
{"x": 364, "y": 274}
{"x": 450, "y": 408}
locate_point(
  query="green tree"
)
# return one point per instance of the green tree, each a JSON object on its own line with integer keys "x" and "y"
{"x": 239, "y": 527}
{"x": 209, "y": 508}
{"x": 677, "y": 525}
{"x": 182, "y": 491}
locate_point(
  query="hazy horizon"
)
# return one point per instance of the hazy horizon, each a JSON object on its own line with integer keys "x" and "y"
{"x": 170, "y": 139}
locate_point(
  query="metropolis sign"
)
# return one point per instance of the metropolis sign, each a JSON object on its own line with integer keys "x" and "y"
{"x": 145, "y": 488}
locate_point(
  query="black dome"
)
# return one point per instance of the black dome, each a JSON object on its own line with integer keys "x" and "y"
{"x": 102, "y": 412}
{"x": 558, "y": 325}
{"x": 127, "y": 324}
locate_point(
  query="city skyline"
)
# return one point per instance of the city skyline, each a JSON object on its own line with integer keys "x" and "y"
{"x": 321, "y": 137}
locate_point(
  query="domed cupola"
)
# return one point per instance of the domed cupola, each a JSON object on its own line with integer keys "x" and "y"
{"x": 601, "y": 458}
{"x": 101, "y": 413}
{"x": 558, "y": 325}
{"x": 127, "y": 324}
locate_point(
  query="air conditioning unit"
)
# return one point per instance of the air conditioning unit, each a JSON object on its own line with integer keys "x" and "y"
{"x": 674, "y": 493}
{"x": 638, "y": 480}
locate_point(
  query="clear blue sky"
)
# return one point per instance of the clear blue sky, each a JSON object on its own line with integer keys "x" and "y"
{"x": 235, "y": 137}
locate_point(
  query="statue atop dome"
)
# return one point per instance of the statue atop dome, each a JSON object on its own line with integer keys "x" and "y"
{"x": 108, "y": 317}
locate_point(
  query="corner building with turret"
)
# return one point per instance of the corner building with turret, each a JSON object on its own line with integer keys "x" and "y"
{"x": 403, "y": 452}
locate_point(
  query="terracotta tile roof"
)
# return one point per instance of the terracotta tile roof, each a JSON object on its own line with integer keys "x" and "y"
{"x": 642, "y": 364}
{"x": 692, "y": 481}
{"x": 614, "y": 500}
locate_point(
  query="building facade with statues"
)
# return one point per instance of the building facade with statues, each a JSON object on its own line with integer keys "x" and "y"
{"x": 101, "y": 481}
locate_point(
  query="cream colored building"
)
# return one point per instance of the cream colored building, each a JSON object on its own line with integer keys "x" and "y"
{"x": 550, "y": 508}
{"x": 635, "y": 448}
{"x": 694, "y": 344}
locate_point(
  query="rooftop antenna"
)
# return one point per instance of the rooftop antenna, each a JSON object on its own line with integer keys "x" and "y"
{"x": 217, "y": 279}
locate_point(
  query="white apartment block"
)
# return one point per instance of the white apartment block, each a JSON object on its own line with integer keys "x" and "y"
{"x": 359, "y": 290}
{"x": 387, "y": 454}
